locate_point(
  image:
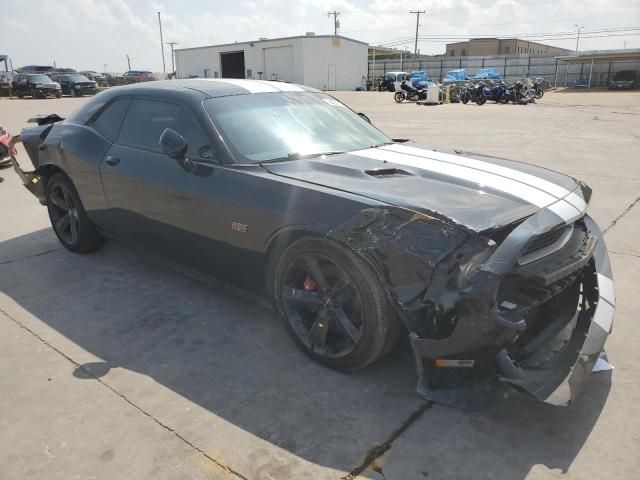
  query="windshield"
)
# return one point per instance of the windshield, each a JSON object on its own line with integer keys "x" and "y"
{"x": 270, "y": 126}
{"x": 39, "y": 78}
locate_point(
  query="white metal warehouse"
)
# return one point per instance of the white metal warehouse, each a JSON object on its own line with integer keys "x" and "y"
{"x": 326, "y": 62}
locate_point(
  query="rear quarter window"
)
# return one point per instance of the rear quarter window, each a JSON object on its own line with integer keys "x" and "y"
{"x": 109, "y": 121}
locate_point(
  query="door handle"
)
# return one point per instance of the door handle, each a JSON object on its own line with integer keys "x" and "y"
{"x": 111, "y": 160}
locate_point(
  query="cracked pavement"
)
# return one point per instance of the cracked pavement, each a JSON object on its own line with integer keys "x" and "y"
{"x": 115, "y": 366}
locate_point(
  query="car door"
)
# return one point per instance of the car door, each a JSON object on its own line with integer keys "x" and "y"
{"x": 152, "y": 202}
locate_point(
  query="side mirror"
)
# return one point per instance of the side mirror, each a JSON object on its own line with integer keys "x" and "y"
{"x": 364, "y": 117}
{"x": 173, "y": 144}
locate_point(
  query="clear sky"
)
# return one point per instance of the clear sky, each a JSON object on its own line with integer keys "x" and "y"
{"x": 85, "y": 34}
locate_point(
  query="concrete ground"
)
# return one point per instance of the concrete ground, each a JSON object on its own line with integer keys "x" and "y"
{"x": 114, "y": 366}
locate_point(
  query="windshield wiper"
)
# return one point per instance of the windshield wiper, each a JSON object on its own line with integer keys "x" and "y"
{"x": 299, "y": 156}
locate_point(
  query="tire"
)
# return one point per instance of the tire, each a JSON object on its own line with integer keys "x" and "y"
{"x": 481, "y": 99}
{"x": 539, "y": 93}
{"x": 345, "y": 329}
{"x": 398, "y": 97}
{"x": 68, "y": 217}
{"x": 58, "y": 94}
{"x": 464, "y": 98}
{"x": 72, "y": 92}
{"x": 33, "y": 93}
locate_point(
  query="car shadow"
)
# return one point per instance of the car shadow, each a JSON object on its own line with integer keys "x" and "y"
{"x": 227, "y": 353}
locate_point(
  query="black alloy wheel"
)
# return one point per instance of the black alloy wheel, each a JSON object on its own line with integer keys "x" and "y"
{"x": 64, "y": 213}
{"x": 333, "y": 305}
{"x": 323, "y": 305}
{"x": 68, "y": 218}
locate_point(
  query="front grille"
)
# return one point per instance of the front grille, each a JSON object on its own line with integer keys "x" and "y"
{"x": 545, "y": 239}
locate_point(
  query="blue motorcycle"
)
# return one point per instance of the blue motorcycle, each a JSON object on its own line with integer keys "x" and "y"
{"x": 497, "y": 92}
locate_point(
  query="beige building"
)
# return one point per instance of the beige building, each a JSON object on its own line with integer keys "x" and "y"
{"x": 496, "y": 46}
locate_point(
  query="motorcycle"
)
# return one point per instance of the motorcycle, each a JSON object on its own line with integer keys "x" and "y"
{"x": 409, "y": 93}
{"x": 521, "y": 93}
{"x": 473, "y": 92}
{"x": 538, "y": 85}
{"x": 496, "y": 92}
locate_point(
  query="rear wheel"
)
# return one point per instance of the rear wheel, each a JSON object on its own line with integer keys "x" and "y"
{"x": 333, "y": 304}
{"x": 68, "y": 218}
{"x": 398, "y": 97}
{"x": 539, "y": 93}
{"x": 464, "y": 98}
{"x": 481, "y": 99}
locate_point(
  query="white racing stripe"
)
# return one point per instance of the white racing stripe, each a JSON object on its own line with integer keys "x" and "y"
{"x": 482, "y": 178}
{"x": 604, "y": 316}
{"x": 282, "y": 86}
{"x": 577, "y": 202}
{"x": 605, "y": 288}
{"x": 565, "y": 210}
{"x": 537, "y": 182}
{"x": 252, "y": 86}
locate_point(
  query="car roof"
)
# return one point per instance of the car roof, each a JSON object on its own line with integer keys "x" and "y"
{"x": 215, "y": 87}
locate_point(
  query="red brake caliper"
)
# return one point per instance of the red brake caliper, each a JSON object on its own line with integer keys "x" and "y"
{"x": 309, "y": 284}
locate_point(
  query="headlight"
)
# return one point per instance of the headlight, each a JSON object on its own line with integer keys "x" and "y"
{"x": 39, "y": 85}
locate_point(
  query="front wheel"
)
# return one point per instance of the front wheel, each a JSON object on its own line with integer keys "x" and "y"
{"x": 398, "y": 97}
{"x": 333, "y": 304}
{"x": 68, "y": 218}
{"x": 481, "y": 99}
{"x": 464, "y": 98}
{"x": 539, "y": 93}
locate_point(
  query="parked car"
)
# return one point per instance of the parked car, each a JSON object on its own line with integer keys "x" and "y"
{"x": 99, "y": 78}
{"x": 391, "y": 81}
{"x": 624, "y": 79}
{"x": 44, "y": 69}
{"x": 135, "y": 76}
{"x": 75, "y": 84}
{"x": 493, "y": 268}
{"x": 35, "y": 85}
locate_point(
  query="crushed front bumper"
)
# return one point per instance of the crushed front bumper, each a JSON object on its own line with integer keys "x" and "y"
{"x": 486, "y": 346}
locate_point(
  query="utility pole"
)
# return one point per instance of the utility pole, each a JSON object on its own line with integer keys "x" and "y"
{"x": 105, "y": 67}
{"x": 624, "y": 44}
{"x": 171, "y": 44}
{"x": 417, "y": 12}
{"x": 164, "y": 67}
{"x": 129, "y": 61}
{"x": 336, "y": 22}
{"x": 578, "y": 39}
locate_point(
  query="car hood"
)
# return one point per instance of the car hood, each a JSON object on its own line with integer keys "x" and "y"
{"x": 473, "y": 190}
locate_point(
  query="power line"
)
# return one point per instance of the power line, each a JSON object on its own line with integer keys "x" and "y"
{"x": 417, "y": 13}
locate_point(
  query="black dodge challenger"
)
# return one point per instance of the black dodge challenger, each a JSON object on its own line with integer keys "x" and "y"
{"x": 492, "y": 267}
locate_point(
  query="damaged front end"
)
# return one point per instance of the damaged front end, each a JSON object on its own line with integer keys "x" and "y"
{"x": 527, "y": 308}
{"x": 32, "y": 139}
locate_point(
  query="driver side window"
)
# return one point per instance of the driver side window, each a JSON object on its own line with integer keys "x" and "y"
{"x": 147, "y": 119}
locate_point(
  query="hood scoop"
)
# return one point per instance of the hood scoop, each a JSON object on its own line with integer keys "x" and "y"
{"x": 387, "y": 172}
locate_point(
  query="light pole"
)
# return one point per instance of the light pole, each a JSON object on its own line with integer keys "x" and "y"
{"x": 578, "y": 39}
{"x": 164, "y": 67}
{"x": 171, "y": 44}
{"x": 129, "y": 61}
{"x": 105, "y": 67}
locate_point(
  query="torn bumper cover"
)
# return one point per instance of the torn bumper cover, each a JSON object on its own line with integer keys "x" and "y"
{"x": 536, "y": 327}
{"x": 530, "y": 311}
{"x": 31, "y": 180}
